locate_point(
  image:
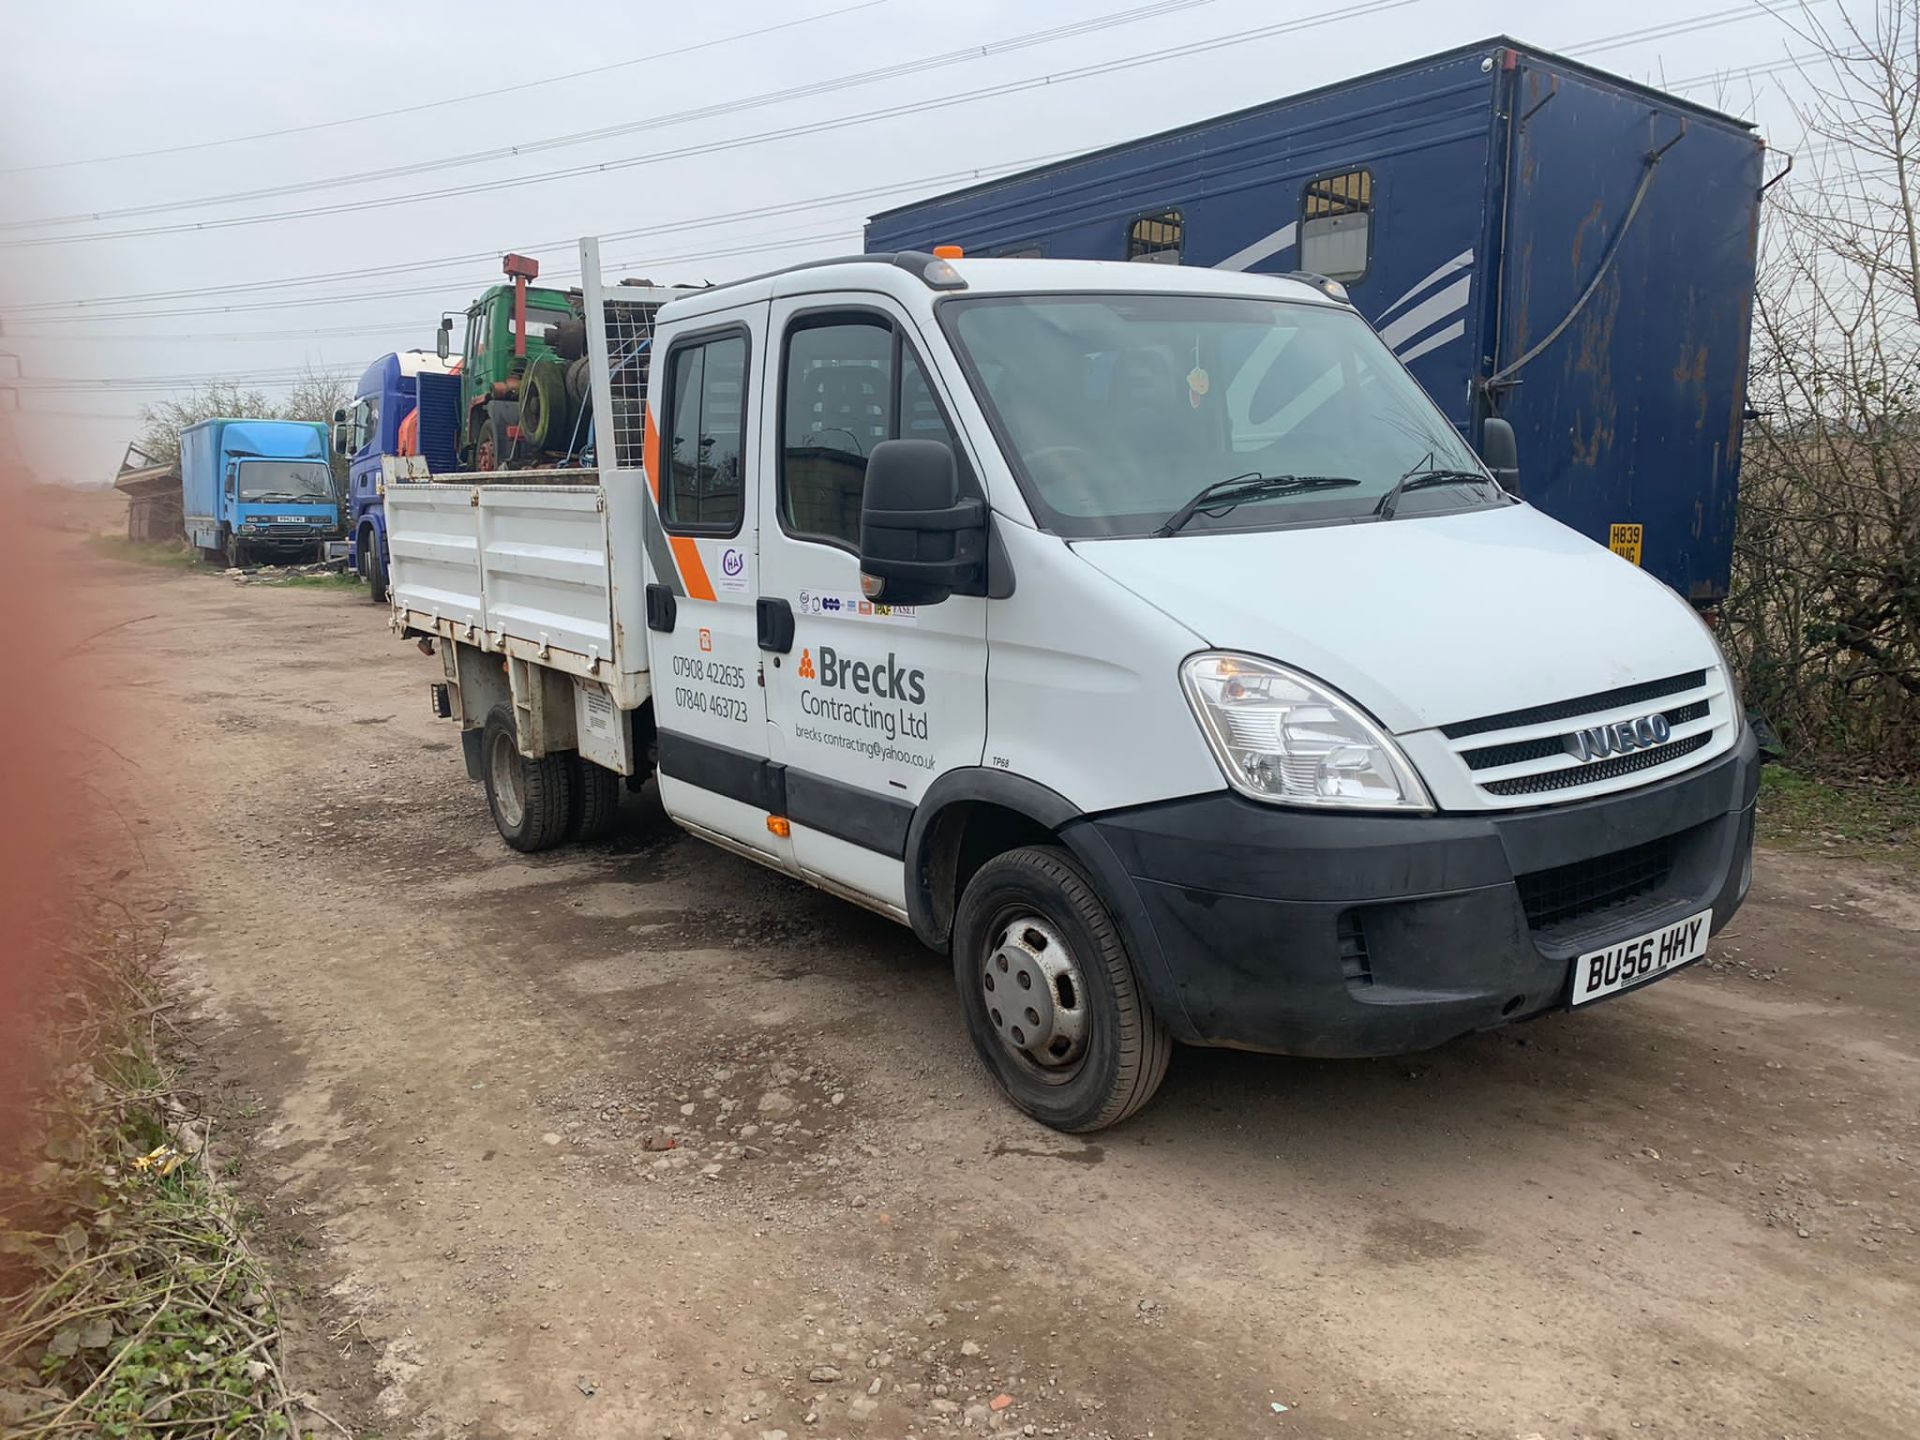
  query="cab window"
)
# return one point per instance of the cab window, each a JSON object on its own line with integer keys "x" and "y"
{"x": 847, "y": 383}
{"x": 703, "y": 479}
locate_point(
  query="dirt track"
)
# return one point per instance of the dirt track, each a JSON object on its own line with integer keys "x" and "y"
{"x": 443, "y": 1068}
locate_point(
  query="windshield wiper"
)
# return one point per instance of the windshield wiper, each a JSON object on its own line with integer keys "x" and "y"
{"x": 1420, "y": 477}
{"x": 1223, "y": 495}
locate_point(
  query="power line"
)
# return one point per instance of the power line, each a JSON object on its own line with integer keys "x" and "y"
{"x": 490, "y": 94}
{"x": 38, "y": 312}
{"x": 1687, "y": 25}
{"x": 1353, "y": 11}
{"x": 943, "y": 60}
{"x": 52, "y": 384}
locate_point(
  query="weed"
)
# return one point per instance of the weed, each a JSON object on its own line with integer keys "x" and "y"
{"x": 130, "y": 1301}
{"x": 339, "y": 580}
{"x": 167, "y": 554}
{"x": 1877, "y": 819}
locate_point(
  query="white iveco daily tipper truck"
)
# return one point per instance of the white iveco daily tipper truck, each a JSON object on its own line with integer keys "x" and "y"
{"x": 1142, "y": 636}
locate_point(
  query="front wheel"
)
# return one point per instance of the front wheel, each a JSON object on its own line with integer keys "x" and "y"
{"x": 236, "y": 552}
{"x": 1051, "y": 1000}
{"x": 531, "y": 800}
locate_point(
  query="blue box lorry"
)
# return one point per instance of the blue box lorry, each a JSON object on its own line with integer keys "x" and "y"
{"x": 366, "y": 432}
{"x": 1535, "y": 240}
{"x": 256, "y": 490}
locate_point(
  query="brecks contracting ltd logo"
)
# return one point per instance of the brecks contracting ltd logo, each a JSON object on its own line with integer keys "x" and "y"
{"x": 1619, "y": 739}
{"x": 881, "y": 679}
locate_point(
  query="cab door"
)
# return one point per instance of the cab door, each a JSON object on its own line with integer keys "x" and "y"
{"x": 704, "y": 481}
{"x": 867, "y": 703}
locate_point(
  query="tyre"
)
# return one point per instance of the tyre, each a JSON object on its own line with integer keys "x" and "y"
{"x": 595, "y": 813}
{"x": 544, "y": 407}
{"x": 236, "y": 552}
{"x": 1051, "y": 1000}
{"x": 376, "y": 567}
{"x": 492, "y": 446}
{"x": 531, "y": 800}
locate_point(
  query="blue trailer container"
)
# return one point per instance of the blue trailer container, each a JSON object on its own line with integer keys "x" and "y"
{"x": 1535, "y": 239}
{"x": 258, "y": 489}
{"x": 368, "y": 431}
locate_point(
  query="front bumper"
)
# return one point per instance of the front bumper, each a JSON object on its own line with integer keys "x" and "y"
{"x": 1349, "y": 935}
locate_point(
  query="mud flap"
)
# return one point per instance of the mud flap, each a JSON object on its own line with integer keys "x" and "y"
{"x": 471, "y": 749}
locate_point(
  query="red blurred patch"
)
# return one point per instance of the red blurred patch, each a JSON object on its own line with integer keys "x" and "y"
{"x": 44, "y": 692}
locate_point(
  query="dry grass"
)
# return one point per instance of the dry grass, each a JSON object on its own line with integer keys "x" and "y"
{"x": 130, "y": 1301}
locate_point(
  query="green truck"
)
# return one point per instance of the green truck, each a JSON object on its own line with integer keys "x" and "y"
{"x": 524, "y": 388}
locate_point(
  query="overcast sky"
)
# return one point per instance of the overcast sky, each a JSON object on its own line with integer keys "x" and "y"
{"x": 87, "y": 79}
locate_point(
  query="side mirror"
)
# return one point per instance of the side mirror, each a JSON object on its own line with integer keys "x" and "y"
{"x": 443, "y": 342}
{"x": 920, "y": 539}
{"x": 341, "y": 442}
{"x": 1501, "y": 452}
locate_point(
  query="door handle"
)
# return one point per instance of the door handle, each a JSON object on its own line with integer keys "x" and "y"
{"x": 773, "y": 624}
{"x": 661, "y": 609}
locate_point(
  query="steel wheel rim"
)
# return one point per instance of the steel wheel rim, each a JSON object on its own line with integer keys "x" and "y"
{"x": 1035, "y": 996}
{"x": 509, "y": 783}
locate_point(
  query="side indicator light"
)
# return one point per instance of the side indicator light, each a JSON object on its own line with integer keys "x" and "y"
{"x": 779, "y": 825}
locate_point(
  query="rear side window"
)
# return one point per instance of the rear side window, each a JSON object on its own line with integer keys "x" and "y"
{"x": 1157, "y": 238}
{"x": 703, "y": 479}
{"x": 1336, "y": 225}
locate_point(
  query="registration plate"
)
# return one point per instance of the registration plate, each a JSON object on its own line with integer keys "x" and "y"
{"x": 1645, "y": 957}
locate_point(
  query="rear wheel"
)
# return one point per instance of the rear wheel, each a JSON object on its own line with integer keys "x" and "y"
{"x": 1052, "y": 1003}
{"x": 596, "y": 800}
{"x": 376, "y": 567}
{"x": 531, "y": 800}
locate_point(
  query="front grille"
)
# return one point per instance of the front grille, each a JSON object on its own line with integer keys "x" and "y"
{"x": 1572, "y": 775}
{"x": 1573, "y": 709}
{"x": 1569, "y": 892}
{"x": 1547, "y": 746}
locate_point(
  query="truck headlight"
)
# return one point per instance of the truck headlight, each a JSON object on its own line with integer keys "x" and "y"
{"x": 1282, "y": 738}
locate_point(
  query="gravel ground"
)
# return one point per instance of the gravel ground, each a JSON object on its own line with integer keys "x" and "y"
{"x": 639, "y": 1140}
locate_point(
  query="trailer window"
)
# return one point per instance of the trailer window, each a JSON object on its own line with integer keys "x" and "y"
{"x": 849, "y": 382}
{"x": 1336, "y": 225}
{"x": 703, "y": 487}
{"x": 1156, "y": 238}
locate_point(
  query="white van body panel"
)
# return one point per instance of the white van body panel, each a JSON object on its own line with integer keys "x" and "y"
{"x": 1425, "y": 621}
{"x": 1085, "y": 684}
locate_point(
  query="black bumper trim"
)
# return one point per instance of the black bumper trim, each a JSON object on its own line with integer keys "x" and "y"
{"x": 1237, "y": 913}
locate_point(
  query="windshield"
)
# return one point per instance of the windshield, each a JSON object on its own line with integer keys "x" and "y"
{"x": 1117, "y": 409}
{"x": 304, "y": 480}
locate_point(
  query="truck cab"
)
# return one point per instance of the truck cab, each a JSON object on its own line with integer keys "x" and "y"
{"x": 365, "y": 432}
{"x": 494, "y": 368}
{"x": 258, "y": 490}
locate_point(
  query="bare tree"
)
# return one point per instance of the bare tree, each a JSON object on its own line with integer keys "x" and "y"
{"x": 1825, "y": 614}
{"x": 316, "y": 395}
{"x": 163, "y": 420}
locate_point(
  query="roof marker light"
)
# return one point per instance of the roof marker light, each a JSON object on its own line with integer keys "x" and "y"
{"x": 948, "y": 252}
{"x": 940, "y": 275}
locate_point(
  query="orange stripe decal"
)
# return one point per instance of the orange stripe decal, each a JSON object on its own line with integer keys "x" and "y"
{"x": 693, "y": 573}
{"x": 650, "y": 452}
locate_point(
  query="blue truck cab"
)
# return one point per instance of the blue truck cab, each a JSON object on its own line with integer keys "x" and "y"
{"x": 1536, "y": 240}
{"x": 257, "y": 490}
{"x": 366, "y": 432}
